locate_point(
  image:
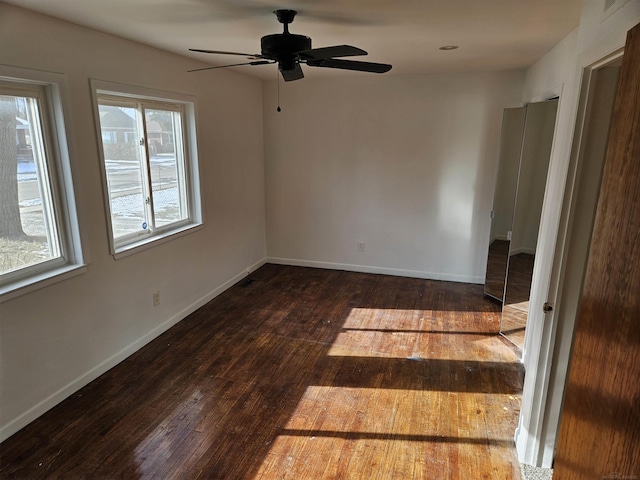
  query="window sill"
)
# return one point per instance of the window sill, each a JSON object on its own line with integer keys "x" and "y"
{"x": 36, "y": 282}
{"x": 142, "y": 245}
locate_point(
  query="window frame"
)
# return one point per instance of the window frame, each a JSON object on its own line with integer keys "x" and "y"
{"x": 50, "y": 91}
{"x": 120, "y": 94}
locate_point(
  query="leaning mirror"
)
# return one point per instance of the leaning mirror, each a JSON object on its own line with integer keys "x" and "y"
{"x": 540, "y": 120}
{"x": 504, "y": 201}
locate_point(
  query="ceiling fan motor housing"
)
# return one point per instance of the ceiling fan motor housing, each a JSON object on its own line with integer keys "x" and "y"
{"x": 283, "y": 47}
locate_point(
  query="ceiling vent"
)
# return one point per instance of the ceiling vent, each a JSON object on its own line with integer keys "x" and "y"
{"x": 611, "y": 6}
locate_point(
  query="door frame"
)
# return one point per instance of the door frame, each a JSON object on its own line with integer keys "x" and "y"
{"x": 545, "y": 361}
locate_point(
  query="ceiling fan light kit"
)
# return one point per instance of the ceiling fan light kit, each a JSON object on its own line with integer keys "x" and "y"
{"x": 289, "y": 50}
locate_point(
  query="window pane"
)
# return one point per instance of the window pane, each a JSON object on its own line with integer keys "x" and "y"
{"x": 124, "y": 168}
{"x": 28, "y": 231}
{"x": 162, "y": 203}
{"x": 164, "y": 136}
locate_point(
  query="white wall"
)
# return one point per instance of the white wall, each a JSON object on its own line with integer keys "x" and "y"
{"x": 406, "y": 164}
{"x": 56, "y": 339}
{"x": 559, "y": 72}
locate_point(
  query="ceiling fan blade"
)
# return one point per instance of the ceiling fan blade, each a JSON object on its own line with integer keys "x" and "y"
{"x": 293, "y": 74}
{"x": 259, "y": 62}
{"x": 331, "y": 52}
{"x": 220, "y": 52}
{"x": 352, "y": 65}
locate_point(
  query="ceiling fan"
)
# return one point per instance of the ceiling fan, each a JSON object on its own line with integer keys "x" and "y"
{"x": 289, "y": 50}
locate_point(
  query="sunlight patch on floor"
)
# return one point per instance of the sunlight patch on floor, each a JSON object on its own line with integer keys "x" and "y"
{"x": 412, "y": 428}
{"x": 405, "y": 400}
{"x": 409, "y": 319}
{"x": 417, "y": 334}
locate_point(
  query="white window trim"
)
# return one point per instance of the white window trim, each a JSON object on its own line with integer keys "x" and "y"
{"x": 188, "y": 102}
{"x": 61, "y": 179}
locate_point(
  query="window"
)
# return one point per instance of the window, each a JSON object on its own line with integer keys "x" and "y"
{"x": 38, "y": 229}
{"x": 150, "y": 172}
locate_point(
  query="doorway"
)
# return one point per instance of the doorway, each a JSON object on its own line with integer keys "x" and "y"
{"x": 580, "y": 202}
{"x": 598, "y": 435}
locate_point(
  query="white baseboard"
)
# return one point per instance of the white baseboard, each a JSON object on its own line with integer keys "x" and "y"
{"x": 256, "y": 266}
{"x": 502, "y": 238}
{"x": 52, "y": 400}
{"x": 380, "y": 270}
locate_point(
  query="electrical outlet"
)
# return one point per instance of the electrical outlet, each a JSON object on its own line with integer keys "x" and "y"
{"x": 360, "y": 246}
{"x": 156, "y": 298}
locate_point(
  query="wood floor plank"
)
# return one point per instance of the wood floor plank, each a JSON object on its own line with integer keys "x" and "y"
{"x": 298, "y": 373}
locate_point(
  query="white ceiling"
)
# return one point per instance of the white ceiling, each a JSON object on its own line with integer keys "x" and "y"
{"x": 492, "y": 34}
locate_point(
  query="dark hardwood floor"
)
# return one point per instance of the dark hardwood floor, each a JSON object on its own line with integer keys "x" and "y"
{"x": 298, "y": 373}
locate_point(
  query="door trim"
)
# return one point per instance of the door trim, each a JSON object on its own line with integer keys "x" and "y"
{"x": 544, "y": 382}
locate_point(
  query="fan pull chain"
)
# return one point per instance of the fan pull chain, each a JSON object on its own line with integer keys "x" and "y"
{"x": 278, "y": 80}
